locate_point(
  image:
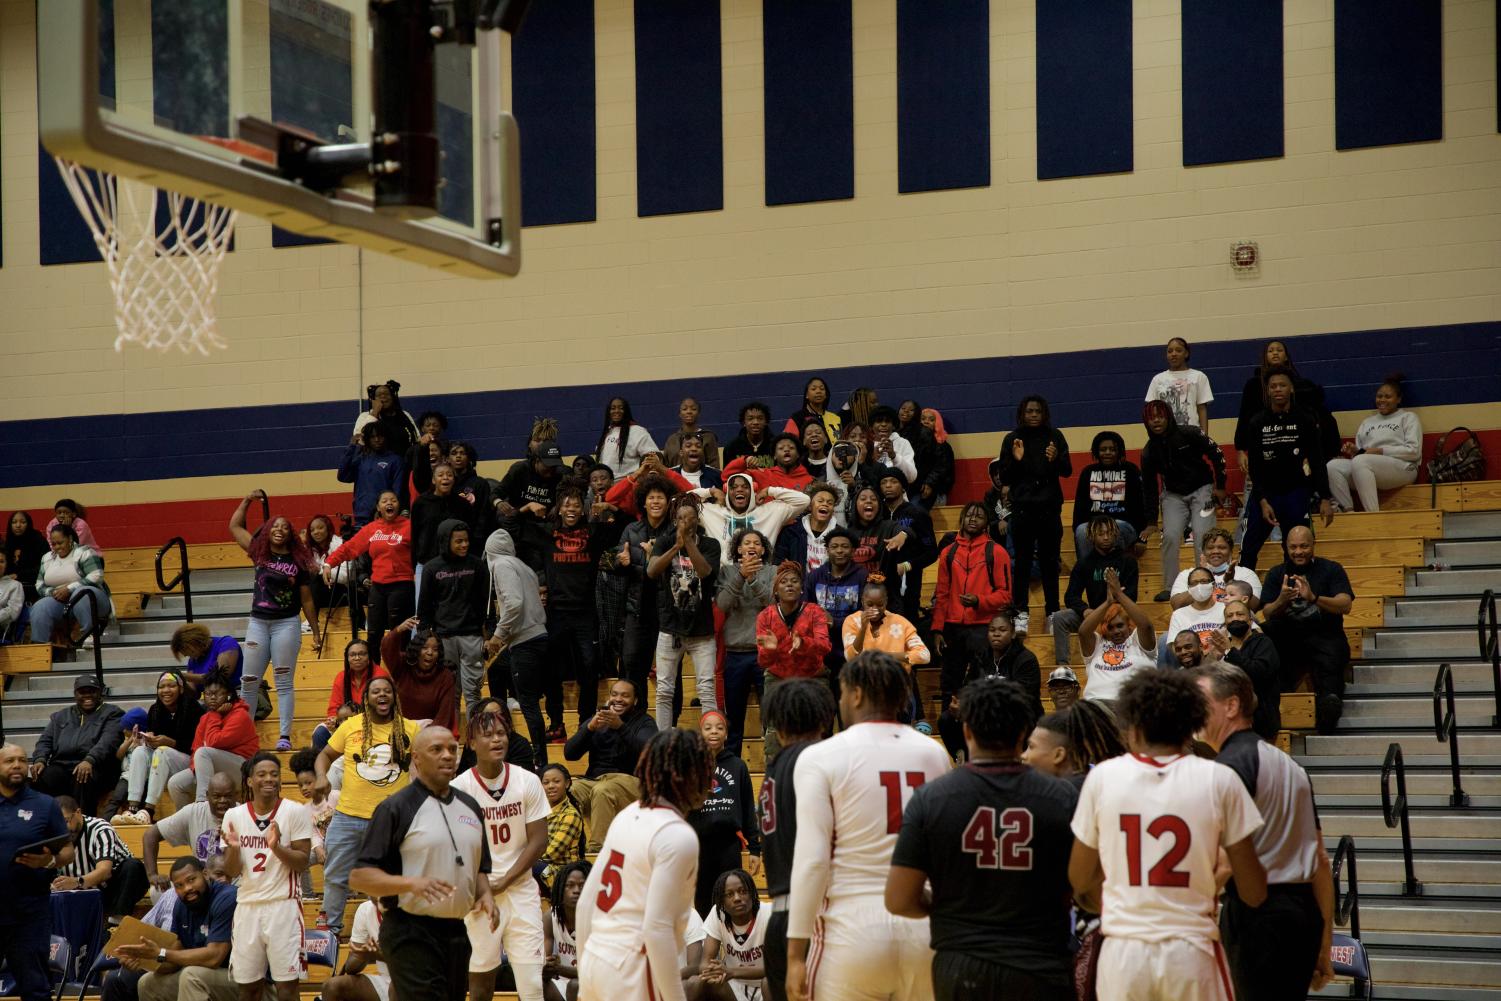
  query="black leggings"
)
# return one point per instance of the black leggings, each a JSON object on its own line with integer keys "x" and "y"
{"x": 1041, "y": 530}
{"x": 390, "y": 606}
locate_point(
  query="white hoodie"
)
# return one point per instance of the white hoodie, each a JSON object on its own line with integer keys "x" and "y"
{"x": 783, "y": 505}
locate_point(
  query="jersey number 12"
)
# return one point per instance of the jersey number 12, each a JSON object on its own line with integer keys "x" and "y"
{"x": 1165, "y": 872}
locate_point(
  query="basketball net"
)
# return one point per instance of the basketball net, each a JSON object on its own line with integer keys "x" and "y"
{"x": 164, "y": 275}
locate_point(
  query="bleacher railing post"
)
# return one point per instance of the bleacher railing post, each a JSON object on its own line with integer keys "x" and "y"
{"x": 1346, "y": 905}
{"x": 1490, "y": 646}
{"x": 184, "y": 574}
{"x": 1394, "y": 813}
{"x": 1446, "y": 729}
{"x": 96, "y": 630}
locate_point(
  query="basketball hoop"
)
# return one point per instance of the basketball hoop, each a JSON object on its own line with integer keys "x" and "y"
{"x": 165, "y": 278}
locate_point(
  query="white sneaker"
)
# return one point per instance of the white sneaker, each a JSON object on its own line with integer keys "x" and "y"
{"x": 1022, "y": 619}
{"x": 307, "y": 630}
{"x": 513, "y": 705}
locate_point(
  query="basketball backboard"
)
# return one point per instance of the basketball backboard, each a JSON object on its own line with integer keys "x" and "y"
{"x": 209, "y": 98}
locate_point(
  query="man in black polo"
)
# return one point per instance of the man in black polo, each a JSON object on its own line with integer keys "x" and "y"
{"x": 1305, "y": 600}
{"x": 993, "y": 839}
{"x": 427, "y": 861}
{"x": 1295, "y": 923}
{"x": 26, "y": 817}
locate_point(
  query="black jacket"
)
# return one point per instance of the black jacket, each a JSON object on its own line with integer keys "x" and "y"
{"x": 71, "y": 737}
{"x": 429, "y": 512}
{"x": 1034, "y": 479}
{"x": 1306, "y": 395}
{"x": 1184, "y": 459}
{"x": 792, "y": 542}
{"x": 1017, "y": 664}
{"x": 741, "y": 446}
{"x": 730, "y": 807}
{"x": 570, "y": 564}
{"x": 454, "y": 589}
{"x": 1280, "y": 447}
{"x": 641, "y": 591}
{"x": 181, "y": 726}
{"x": 1258, "y": 657}
{"x": 1086, "y": 581}
{"x": 612, "y": 752}
{"x": 1110, "y": 490}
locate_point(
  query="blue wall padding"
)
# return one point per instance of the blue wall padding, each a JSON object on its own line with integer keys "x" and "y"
{"x": 1083, "y": 87}
{"x": 679, "y": 107}
{"x": 1388, "y": 72}
{"x": 1232, "y": 81}
{"x": 552, "y": 80}
{"x": 942, "y": 94}
{"x": 810, "y": 100}
{"x": 64, "y": 237}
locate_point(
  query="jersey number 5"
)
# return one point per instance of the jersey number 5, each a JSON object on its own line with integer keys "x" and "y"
{"x": 892, "y": 783}
{"x": 611, "y": 886}
{"x": 1003, "y": 842}
{"x": 1166, "y": 871}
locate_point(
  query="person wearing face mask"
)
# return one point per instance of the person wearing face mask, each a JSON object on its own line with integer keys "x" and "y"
{"x": 1248, "y": 648}
{"x": 1201, "y": 616}
{"x": 1218, "y": 558}
{"x": 1384, "y": 454}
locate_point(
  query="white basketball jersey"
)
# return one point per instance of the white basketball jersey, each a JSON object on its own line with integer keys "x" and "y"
{"x": 641, "y": 840}
{"x": 263, "y": 876}
{"x": 739, "y": 948}
{"x": 515, "y": 800}
{"x": 851, "y": 791}
{"x": 563, "y": 945}
{"x": 1159, "y": 826}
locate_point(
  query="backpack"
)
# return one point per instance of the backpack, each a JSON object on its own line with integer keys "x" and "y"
{"x": 1466, "y": 462}
{"x": 948, "y": 555}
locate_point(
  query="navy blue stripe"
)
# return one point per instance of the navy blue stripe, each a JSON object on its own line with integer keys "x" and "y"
{"x": 1083, "y": 87}
{"x": 1388, "y": 72}
{"x": 1232, "y": 81}
{"x": 679, "y": 107}
{"x": 64, "y": 237}
{"x": 1445, "y": 365}
{"x": 552, "y": 80}
{"x": 810, "y": 100}
{"x": 286, "y": 238}
{"x": 942, "y": 94}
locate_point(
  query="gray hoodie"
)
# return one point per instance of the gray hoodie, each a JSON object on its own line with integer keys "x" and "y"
{"x": 741, "y": 600}
{"x": 517, "y": 594}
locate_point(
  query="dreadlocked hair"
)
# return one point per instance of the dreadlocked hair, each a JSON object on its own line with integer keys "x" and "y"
{"x": 721, "y": 884}
{"x": 401, "y": 744}
{"x": 997, "y": 711}
{"x": 676, "y": 765}
{"x": 800, "y": 707}
{"x": 478, "y": 711}
{"x": 560, "y": 882}
{"x": 1091, "y": 731}
{"x": 882, "y": 680}
{"x": 1165, "y": 707}
{"x": 544, "y": 429}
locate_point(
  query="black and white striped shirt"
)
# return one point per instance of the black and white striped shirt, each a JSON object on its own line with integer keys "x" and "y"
{"x": 96, "y": 842}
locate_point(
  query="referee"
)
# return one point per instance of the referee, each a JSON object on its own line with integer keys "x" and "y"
{"x": 1297, "y": 919}
{"x": 436, "y": 834}
{"x": 801, "y": 712}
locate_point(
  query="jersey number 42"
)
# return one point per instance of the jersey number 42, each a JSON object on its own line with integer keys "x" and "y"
{"x": 999, "y": 840}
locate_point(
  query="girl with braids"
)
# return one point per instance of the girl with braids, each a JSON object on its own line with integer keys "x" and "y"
{"x": 726, "y": 823}
{"x": 561, "y": 967}
{"x": 734, "y": 966}
{"x": 565, "y": 824}
{"x": 622, "y": 442}
{"x": 347, "y": 696}
{"x": 1067, "y": 744}
{"x": 636, "y": 901}
{"x": 375, "y": 747}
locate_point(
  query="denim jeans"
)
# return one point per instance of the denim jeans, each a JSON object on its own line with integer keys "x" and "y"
{"x": 342, "y": 845}
{"x": 276, "y": 642}
{"x": 670, "y": 650}
{"x": 742, "y": 672}
{"x": 147, "y": 772}
{"x": 48, "y": 610}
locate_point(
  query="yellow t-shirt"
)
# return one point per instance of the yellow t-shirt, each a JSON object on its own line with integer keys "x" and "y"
{"x": 369, "y": 775}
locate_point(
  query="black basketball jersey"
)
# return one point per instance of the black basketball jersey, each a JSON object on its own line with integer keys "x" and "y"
{"x": 994, "y": 841}
{"x": 777, "y": 806}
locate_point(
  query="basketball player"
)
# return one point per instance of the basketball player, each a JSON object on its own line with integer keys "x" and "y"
{"x": 1149, "y": 826}
{"x": 562, "y": 966}
{"x": 734, "y": 967}
{"x": 267, "y": 843}
{"x": 802, "y": 713}
{"x": 514, "y": 810}
{"x": 993, "y": 839}
{"x": 842, "y": 943}
{"x": 635, "y": 904}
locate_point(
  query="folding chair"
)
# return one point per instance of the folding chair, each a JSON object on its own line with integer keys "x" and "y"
{"x": 1348, "y": 957}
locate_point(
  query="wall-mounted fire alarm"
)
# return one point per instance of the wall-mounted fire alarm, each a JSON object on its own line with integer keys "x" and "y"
{"x": 1245, "y": 259}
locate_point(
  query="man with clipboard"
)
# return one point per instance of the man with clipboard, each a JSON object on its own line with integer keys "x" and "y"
{"x": 196, "y": 966}
{"x": 34, "y": 841}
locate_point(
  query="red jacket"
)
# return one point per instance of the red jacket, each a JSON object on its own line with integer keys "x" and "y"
{"x": 234, "y": 731}
{"x": 962, "y": 570}
{"x": 389, "y": 544}
{"x": 770, "y": 476}
{"x": 356, "y": 689}
{"x": 811, "y": 626}
{"x": 623, "y": 493}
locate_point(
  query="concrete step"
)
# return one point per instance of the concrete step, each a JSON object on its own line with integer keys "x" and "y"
{"x": 1446, "y": 971}
{"x": 134, "y": 631}
{"x": 1472, "y": 525}
{"x": 1425, "y": 915}
{"x": 1414, "y": 710}
{"x": 174, "y": 606}
{"x": 1465, "y": 871}
{"x": 1411, "y": 992}
{"x": 1413, "y": 742}
{"x": 1416, "y": 676}
{"x": 1391, "y": 845}
{"x": 1463, "y": 580}
{"x": 1477, "y": 782}
{"x": 1443, "y": 611}
{"x": 1407, "y": 644}
{"x": 1465, "y": 552}
{"x": 1426, "y": 824}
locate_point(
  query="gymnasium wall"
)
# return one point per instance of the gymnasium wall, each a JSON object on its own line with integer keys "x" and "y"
{"x": 958, "y": 202}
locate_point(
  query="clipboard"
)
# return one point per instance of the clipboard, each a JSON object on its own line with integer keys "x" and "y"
{"x": 53, "y": 845}
{"x": 131, "y": 931}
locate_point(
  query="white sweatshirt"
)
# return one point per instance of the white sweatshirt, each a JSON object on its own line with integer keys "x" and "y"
{"x": 1398, "y": 434}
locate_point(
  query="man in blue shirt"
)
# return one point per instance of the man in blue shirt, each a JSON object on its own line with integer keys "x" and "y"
{"x": 197, "y": 970}
{"x": 26, "y": 817}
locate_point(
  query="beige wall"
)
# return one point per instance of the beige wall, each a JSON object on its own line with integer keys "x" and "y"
{"x": 1387, "y": 237}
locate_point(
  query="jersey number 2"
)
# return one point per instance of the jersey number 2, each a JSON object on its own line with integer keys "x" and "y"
{"x": 892, "y": 783}
{"x": 1166, "y": 871}
{"x": 611, "y": 885}
{"x": 1003, "y": 842}
{"x": 260, "y": 862}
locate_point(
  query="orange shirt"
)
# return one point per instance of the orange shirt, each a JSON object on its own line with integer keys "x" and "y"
{"x": 895, "y": 636}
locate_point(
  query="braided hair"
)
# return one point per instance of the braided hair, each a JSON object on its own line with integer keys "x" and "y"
{"x": 721, "y": 885}
{"x": 676, "y": 765}
{"x": 1091, "y": 732}
{"x": 560, "y": 882}
{"x": 997, "y": 711}
{"x": 401, "y": 744}
{"x": 881, "y": 679}
{"x": 477, "y": 723}
{"x": 800, "y": 707}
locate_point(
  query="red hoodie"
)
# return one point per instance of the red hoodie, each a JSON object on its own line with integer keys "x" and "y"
{"x": 811, "y": 626}
{"x": 962, "y": 570}
{"x": 623, "y": 493}
{"x": 233, "y": 731}
{"x": 771, "y": 476}
{"x": 389, "y": 544}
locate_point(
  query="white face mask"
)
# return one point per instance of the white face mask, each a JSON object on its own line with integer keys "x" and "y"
{"x": 1201, "y": 592}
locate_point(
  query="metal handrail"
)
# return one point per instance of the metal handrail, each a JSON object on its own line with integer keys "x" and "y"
{"x": 96, "y": 630}
{"x": 184, "y": 574}
{"x": 1446, "y": 729}
{"x": 1490, "y": 645}
{"x": 1347, "y": 905}
{"x": 1394, "y": 812}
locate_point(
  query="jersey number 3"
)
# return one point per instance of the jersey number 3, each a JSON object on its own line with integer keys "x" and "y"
{"x": 611, "y": 886}
{"x": 1166, "y": 871}
{"x": 999, "y": 842}
{"x": 892, "y": 783}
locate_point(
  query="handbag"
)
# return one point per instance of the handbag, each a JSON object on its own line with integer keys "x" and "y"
{"x": 1465, "y": 462}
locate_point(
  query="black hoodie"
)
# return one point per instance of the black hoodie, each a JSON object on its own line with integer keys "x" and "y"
{"x": 1183, "y": 458}
{"x": 571, "y": 563}
{"x": 730, "y": 808}
{"x": 454, "y": 588}
{"x": 1033, "y": 478}
{"x": 429, "y": 512}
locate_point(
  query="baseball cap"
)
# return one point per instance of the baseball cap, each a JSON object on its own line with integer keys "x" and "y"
{"x": 551, "y": 455}
{"x": 85, "y": 681}
{"x": 1063, "y": 675}
{"x": 133, "y": 718}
